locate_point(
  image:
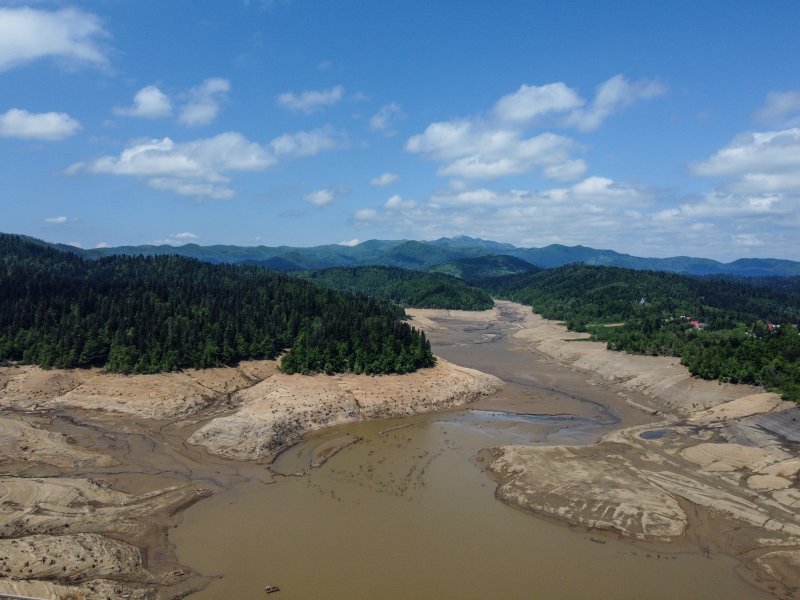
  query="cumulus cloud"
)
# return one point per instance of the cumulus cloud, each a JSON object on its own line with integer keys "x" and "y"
{"x": 501, "y": 144}
{"x": 779, "y": 105}
{"x": 72, "y": 36}
{"x": 504, "y": 214}
{"x": 530, "y": 102}
{"x": 149, "y": 103}
{"x": 383, "y": 119}
{"x": 103, "y": 245}
{"x": 611, "y": 97}
{"x": 566, "y": 171}
{"x": 733, "y": 206}
{"x": 384, "y": 179}
{"x": 202, "y": 168}
{"x": 305, "y": 143}
{"x": 396, "y": 202}
{"x": 365, "y": 214}
{"x": 602, "y": 212}
{"x": 472, "y": 150}
{"x": 177, "y": 239}
{"x": 761, "y": 162}
{"x": 596, "y": 210}
{"x": 203, "y": 102}
{"x": 322, "y": 197}
{"x": 56, "y": 220}
{"x": 350, "y": 243}
{"x": 749, "y": 240}
{"x": 311, "y": 100}
{"x": 50, "y": 126}
{"x": 198, "y": 168}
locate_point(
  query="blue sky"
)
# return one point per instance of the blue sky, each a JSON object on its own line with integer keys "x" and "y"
{"x": 657, "y": 129}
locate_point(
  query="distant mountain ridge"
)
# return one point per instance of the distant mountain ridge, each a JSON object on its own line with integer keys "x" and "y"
{"x": 420, "y": 255}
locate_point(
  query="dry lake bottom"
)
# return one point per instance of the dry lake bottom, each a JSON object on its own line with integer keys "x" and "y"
{"x": 619, "y": 477}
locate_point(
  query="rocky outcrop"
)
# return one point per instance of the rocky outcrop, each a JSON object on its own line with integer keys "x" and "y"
{"x": 276, "y": 411}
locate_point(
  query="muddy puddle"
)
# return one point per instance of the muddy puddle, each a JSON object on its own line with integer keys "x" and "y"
{"x": 405, "y": 512}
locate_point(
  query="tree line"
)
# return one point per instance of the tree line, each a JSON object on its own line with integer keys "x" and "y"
{"x": 135, "y": 314}
{"x": 416, "y": 289}
{"x": 731, "y": 329}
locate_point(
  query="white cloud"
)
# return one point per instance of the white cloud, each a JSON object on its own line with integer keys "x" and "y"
{"x": 149, "y": 102}
{"x": 322, "y": 197}
{"x": 501, "y": 144}
{"x": 761, "y": 162}
{"x": 779, "y": 105}
{"x": 721, "y": 205}
{"x": 198, "y": 168}
{"x": 203, "y": 102}
{"x": 365, "y": 214}
{"x": 396, "y": 202}
{"x": 201, "y": 168}
{"x": 69, "y": 35}
{"x": 612, "y": 96}
{"x": 382, "y": 120}
{"x": 592, "y": 209}
{"x": 598, "y": 211}
{"x": 50, "y": 126}
{"x": 177, "y": 239}
{"x": 75, "y": 244}
{"x": 566, "y": 171}
{"x": 350, "y": 243}
{"x": 531, "y": 102}
{"x": 103, "y": 245}
{"x": 384, "y": 179}
{"x": 749, "y": 240}
{"x": 305, "y": 143}
{"x": 473, "y": 150}
{"x": 312, "y": 100}
{"x": 56, "y": 220}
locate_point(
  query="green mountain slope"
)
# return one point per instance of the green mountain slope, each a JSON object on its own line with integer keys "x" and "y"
{"x": 748, "y": 333}
{"x": 151, "y": 314}
{"x": 484, "y": 267}
{"x": 408, "y": 288}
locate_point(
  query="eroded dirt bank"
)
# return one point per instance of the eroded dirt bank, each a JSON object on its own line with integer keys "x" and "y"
{"x": 94, "y": 467}
{"x": 717, "y": 466}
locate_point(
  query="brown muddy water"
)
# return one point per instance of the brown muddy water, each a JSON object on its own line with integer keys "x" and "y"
{"x": 406, "y": 513}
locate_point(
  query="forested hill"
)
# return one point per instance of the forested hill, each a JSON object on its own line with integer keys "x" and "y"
{"x": 586, "y": 294}
{"x": 722, "y": 329}
{"x": 145, "y": 315}
{"x": 408, "y": 288}
{"x": 485, "y": 267}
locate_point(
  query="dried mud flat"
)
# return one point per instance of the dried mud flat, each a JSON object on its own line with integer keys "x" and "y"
{"x": 94, "y": 468}
{"x": 718, "y": 466}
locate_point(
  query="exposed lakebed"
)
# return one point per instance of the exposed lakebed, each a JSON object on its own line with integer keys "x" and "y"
{"x": 407, "y": 511}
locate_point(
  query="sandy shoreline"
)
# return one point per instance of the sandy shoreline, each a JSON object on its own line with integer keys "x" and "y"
{"x": 716, "y": 452}
{"x": 96, "y": 467}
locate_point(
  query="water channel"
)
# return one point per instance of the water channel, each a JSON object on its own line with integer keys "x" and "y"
{"x": 407, "y": 512}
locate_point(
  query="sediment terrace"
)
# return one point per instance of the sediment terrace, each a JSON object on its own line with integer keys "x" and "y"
{"x": 70, "y": 526}
{"x": 714, "y": 453}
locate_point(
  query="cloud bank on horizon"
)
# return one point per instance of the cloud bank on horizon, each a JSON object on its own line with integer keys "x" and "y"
{"x": 254, "y": 127}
